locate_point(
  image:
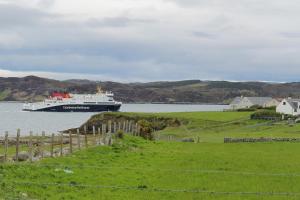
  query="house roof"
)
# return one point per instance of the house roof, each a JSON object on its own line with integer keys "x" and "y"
{"x": 259, "y": 100}
{"x": 293, "y": 102}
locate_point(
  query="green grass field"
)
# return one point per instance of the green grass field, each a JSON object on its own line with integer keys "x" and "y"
{"x": 134, "y": 168}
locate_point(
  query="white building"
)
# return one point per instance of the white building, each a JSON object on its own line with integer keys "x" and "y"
{"x": 289, "y": 106}
{"x": 247, "y": 102}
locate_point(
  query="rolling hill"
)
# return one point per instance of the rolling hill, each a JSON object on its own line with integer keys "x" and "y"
{"x": 32, "y": 88}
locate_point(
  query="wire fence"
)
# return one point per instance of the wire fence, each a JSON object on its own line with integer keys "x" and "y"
{"x": 173, "y": 170}
{"x": 158, "y": 189}
{"x": 33, "y": 148}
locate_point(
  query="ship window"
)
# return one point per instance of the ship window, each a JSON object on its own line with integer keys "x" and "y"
{"x": 284, "y": 103}
{"x": 89, "y": 102}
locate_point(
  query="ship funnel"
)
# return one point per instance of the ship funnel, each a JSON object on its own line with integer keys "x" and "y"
{"x": 99, "y": 90}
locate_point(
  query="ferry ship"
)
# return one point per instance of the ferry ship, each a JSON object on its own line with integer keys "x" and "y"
{"x": 66, "y": 102}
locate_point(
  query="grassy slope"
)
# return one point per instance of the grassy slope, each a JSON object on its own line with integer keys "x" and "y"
{"x": 214, "y": 126}
{"x": 136, "y": 164}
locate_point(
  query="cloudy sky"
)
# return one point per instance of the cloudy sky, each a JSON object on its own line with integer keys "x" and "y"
{"x": 148, "y": 40}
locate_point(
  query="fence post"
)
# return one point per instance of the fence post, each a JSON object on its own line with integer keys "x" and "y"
{"x": 115, "y": 127}
{"x": 94, "y": 135}
{"x": 104, "y": 133}
{"x": 94, "y": 131}
{"x": 30, "y": 147}
{"x": 109, "y": 126}
{"x": 71, "y": 142}
{"x": 124, "y": 126}
{"x": 109, "y": 139}
{"x": 17, "y": 145}
{"x": 138, "y": 130}
{"x": 42, "y": 144}
{"x": 99, "y": 135}
{"x": 78, "y": 139}
{"x": 130, "y": 127}
{"x": 85, "y": 137}
{"x": 5, "y": 146}
{"x": 52, "y": 144}
{"x": 119, "y": 126}
{"x": 61, "y": 144}
{"x": 135, "y": 129}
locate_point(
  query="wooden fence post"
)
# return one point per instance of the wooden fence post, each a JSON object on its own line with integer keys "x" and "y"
{"x": 71, "y": 142}
{"x": 104, "y": 133}
{"x": 30, "y": 147}
{"x": 78, "y": 139}
{"x": 119, "y": 126}
{"x": 94, "y": 131}
{"x": 99, "y": 135}
{"x": 52, "y": 145}
{"x": 128, "y": 126}
{"x": 115, "y": 127}
{"x": 94, "y": 135}
{"x": 135, "y": 129}
{"x": 42, "y": 144}
{"x": 138, "y": 130}
{"x": 124, "y": 126}
{"x": 17, "y": 145}
{"x": 131, "y": 127}
{"x": 85, "y": 137}
{"x": 61, "y": 144}
{"x": 109, "y": 139}
{"x": 5, "y": 146}
{"x": 109, "y": 126}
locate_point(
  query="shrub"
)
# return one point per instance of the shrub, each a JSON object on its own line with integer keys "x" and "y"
{"x": 270, "y": 108}
{"x": 120, "y": 134}
{"x": 266, "y": 114}
{"x": 145, "y": 129}
{"x": 246, "y": 109}
{"x": 256, "y": 107}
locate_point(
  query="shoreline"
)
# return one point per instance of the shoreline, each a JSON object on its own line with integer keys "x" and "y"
{"x": 153, "y": 103}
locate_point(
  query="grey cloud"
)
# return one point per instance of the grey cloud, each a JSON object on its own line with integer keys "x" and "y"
{"x": 116, "y": 21}
{"x": 46, "y": 3}
{"x": 146, "y": 49}
{"x": 206, "y": 35}
{"x": 290, "y": 34}
{"x": 16, "y": 16}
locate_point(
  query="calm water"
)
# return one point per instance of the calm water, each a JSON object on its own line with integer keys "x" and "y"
{"x": 12, "y": 116}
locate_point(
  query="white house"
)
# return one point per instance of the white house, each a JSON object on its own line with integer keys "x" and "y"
{"x": 289, "y": 106}
{"x": 247, "y": 102}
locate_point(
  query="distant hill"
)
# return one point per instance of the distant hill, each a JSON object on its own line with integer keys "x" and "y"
{"x": 34, "y": 88}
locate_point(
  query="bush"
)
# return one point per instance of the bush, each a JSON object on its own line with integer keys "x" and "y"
{"x": 146, "y": 129}
{"x": 256, "y": 108}
{"x": 246, "y": 109}
{"x": 266, "y": 114}
{"x": 120, "y": 134}
{"x": 270, "y": 108}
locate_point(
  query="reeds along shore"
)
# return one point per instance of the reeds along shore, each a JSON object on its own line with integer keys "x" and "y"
{"x": 32, "y": 148}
